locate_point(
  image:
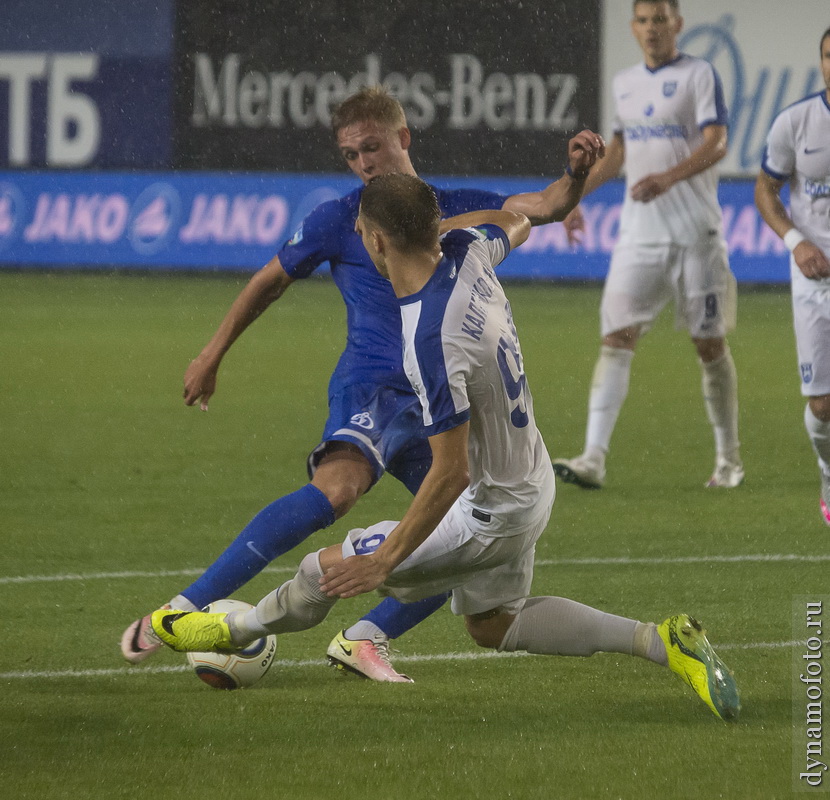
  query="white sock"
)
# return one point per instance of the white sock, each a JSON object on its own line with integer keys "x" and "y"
{"x": 562, "y": 627}
{"x": 364, "y": 629}
{"x": 181, "y": 603}
{"x": 720, "y": 393}
{"x": 819, "y": 433}
{"x": 609, "y": 388}
{"x": 297, "y": 605}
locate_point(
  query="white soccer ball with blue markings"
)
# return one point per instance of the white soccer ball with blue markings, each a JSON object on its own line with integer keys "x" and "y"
{"x": 234, "y": 670}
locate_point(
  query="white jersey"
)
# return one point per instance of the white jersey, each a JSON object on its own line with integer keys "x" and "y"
{"x": 798, "y": 150}
{"x": 462, "y": 356}
{"x": 661, "y": 115}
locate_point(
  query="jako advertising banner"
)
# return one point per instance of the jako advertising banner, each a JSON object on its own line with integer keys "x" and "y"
{"x": 218, "y": 220}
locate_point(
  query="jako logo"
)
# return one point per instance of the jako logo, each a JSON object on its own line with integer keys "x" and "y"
{"x": 154, "y": 217}
{"x": 63, "y": 217}
{"x": 240, "y": 219}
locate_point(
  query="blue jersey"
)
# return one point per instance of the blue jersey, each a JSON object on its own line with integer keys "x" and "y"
{"x": 373, "y": 351}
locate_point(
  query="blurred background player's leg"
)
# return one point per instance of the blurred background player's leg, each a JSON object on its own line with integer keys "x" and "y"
{"x": 720, "y": 394}
{"x": 817, "y": 423}
{"x": 609, "y": 388}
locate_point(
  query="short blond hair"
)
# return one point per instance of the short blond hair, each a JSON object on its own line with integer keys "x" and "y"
{"x": 372, "y": 104}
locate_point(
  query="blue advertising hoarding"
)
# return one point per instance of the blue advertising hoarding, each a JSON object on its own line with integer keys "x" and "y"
{"x": 237, "y": 221}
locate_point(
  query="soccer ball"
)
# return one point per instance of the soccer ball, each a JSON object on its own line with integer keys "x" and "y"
{"x": 234, "y": 670}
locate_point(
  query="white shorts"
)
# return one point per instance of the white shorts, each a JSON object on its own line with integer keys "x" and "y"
{"x": 811, "y": 319}
{"x": 483, "y": 572}
{"x": 643, "y": 278}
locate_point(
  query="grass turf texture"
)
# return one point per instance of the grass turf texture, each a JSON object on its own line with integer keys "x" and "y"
{"x": 105, "y": 471}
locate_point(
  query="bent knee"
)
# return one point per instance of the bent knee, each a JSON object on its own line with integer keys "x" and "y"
{"x": 623, "y": 339}
{"x": 342, "y": 497}
{"x": 820, "y": 406}
{"x": 343, "y": 476}
{"x": 483, "y": 638}
{"x": 488, "y": 630}
{"x": 709, "y": 350}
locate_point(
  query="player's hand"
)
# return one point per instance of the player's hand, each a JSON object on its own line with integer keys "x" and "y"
{"x": 584, "y": 150}
{"x": 645, "y": 190}
{"x": 199, "y": 382}
{"x": 574, "y": 224}
{"x": 811, "y": 261}
{"x": 354, "y": 575}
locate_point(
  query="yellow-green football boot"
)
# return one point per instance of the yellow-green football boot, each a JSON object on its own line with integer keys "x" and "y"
{"x": 693, "y": 659}
{"x": 193, "y": 631}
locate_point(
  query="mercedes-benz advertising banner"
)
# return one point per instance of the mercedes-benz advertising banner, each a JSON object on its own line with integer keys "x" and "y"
{"x": 488, "y": 88}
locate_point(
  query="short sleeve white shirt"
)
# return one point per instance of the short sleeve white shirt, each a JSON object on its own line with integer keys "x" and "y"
{"x": 661, "y": 115}
{"x": 798, "y": 151}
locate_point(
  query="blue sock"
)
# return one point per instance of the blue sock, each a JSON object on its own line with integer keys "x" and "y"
{"x": 395, "y": 618}
{"x": 275, "y": 530}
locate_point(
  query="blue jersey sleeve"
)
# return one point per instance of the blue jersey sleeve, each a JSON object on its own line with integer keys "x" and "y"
{"x": 459, "y": 201}
{"x": 318, "y": 239}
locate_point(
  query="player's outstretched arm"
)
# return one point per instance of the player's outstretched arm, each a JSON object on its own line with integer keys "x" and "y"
{"x": 516, "y": 226}
{"x": 604, "y": 170}
{"x": 555, "y": 201}
{"x": 710, "y": 152}
{"x": 264, "y": 288}
{"x": 447, "y": 478}
{"x": 810, "y": 259}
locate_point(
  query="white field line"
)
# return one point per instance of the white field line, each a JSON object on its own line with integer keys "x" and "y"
{"x": 319, "y": 662}
{"x": 464, "y": 656}
{"x": 621, "y": 561}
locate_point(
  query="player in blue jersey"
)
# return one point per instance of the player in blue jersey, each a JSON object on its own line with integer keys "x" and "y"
{"x": 374, "y": 420}
{"x": 669, "y": 132}
{"x": 472, "y": 526}
{"x": 798, "y": 153}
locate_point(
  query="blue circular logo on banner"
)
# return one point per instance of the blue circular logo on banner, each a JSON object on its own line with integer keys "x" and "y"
{"x": 154, "y": 218}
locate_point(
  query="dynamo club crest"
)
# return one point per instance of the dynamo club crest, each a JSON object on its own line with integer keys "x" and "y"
{"x": 807, "y": 372}
{"x": 669, "y": 88}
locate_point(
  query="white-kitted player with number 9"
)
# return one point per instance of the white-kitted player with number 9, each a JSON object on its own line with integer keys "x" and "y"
{"x": 472, "y": 527}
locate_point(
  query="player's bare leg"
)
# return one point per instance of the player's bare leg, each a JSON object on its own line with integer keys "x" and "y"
{"x": 817, "y": 423}
{"x": 720, "y": 394}
{"x": 609, "y": 389}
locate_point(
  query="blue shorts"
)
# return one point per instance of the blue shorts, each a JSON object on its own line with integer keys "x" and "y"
{"x": 386, "y": 424}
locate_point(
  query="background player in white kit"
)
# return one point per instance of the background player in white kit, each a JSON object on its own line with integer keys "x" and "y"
{"x": 486, "y": 499}
{"x": 798, "y": 153}
{"x": 670, "y": 131}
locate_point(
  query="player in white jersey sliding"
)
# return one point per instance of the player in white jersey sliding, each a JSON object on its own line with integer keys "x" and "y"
{"x": 487, "y": 497}
{"x": 669, "y": 132}
{"x": 798, "y": 153}
{"x": 374, "y": 424}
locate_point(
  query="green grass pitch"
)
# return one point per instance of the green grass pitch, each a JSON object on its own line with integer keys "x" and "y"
{"x": 114, "y": 494}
